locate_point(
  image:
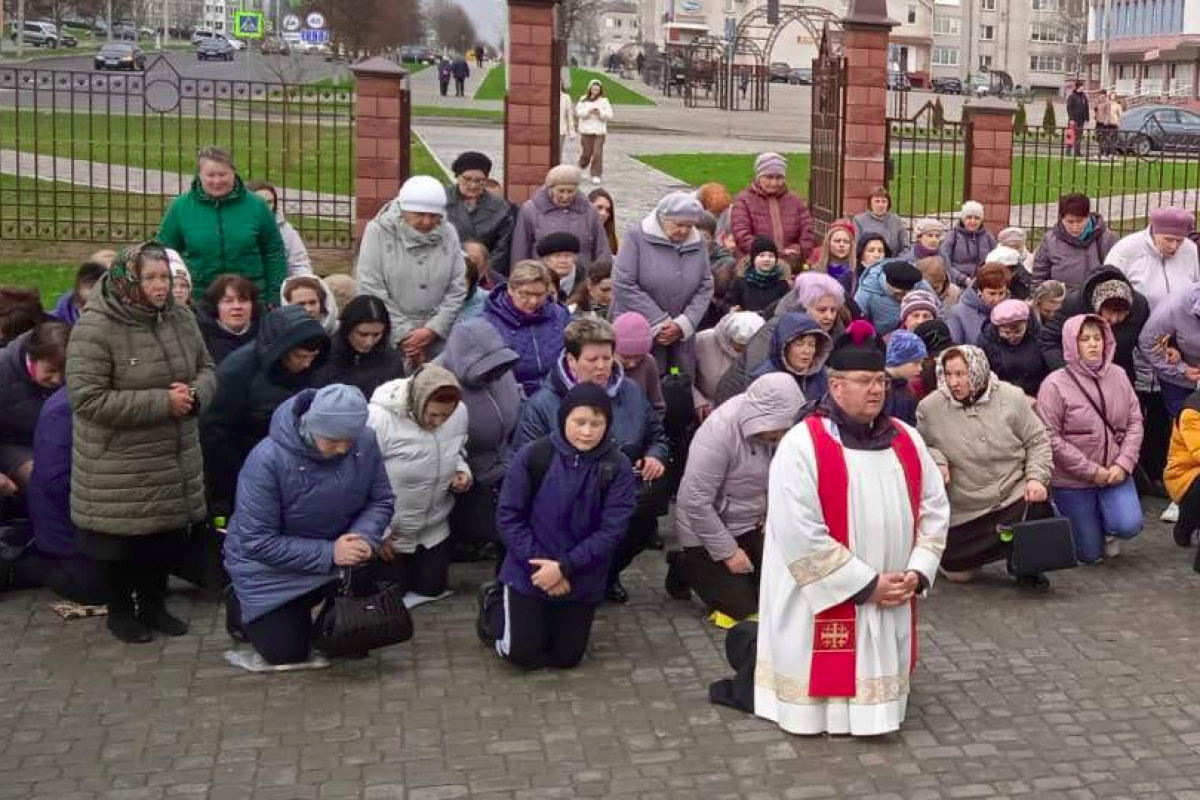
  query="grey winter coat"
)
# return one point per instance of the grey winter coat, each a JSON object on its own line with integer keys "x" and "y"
{"x": 1070, "y": 259}
{"x": 490, "y": 223}
{"x": 421, "y": 277}
{"x": 539, "y": 216}
{"x": 136, "y": 470}
{"x": 890, "y": 227}
{"x": 965, "y": 319}
{"x": 721, "y": 496}
{"x": 964, "y": 252}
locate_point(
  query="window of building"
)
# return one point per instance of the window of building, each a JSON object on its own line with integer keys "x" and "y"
{"x": 987, "y": 5}
{"x": 947, "y": 2}
{"x": 951, "y": 26}
{"x": 1046, "y": 32}
{"x": 987, "y": 33}
{"x": 945, "y": 57}
{"x": 1043, "y": 63}
{"x": 985, "y": 62}
{"x": 1045, "y": 5}
{"x": 912, "y": 14}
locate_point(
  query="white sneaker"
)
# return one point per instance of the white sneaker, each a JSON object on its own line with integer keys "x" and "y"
{"x": 1112, "y": 547}
{"x": 1171, "y": 514}
{"x": 596, "y": 179}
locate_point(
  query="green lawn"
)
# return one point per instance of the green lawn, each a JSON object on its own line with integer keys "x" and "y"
{"x": 308, "y": 156}
{"x": 492, "y": 87}
{"x": 420, "y": 162}
{"x": 51, "y": 278}
{"x": 926, "y": 183}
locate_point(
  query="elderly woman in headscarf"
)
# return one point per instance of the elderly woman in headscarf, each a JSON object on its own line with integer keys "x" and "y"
{"x": 766, "y": 207}
{"x": 994, "y": 454}
{"x": 139, "y": 377}
{"x": 716, "y": 351}
{"x": 558, "y": 207}
{"x": 662, "y": 273}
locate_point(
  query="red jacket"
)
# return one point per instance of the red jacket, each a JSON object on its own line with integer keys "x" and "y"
{"x": 752, "y": 216}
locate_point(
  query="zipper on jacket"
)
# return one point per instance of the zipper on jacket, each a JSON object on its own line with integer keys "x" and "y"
{"x": 221, "y": 234}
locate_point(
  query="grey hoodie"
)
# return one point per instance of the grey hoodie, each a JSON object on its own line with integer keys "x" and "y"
{"x": 421, "y": 277}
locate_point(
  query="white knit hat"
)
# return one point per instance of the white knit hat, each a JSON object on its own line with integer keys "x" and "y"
{"x": 422, "y": 194}
{"x": 971, "y": 208}
{"x": 1005, "y": 255}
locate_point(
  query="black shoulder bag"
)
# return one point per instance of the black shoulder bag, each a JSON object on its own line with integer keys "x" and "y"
{"x": 351, "y": 625}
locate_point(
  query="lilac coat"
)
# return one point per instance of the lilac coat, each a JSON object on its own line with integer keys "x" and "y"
{"x": 539, "y": 216}
{"x": 1178, "y": 317}
{"x": 1081, "y": 442}
{"x": 664, "y": 282}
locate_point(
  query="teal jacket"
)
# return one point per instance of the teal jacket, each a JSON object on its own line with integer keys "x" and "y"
{"x": 236, "y": 234}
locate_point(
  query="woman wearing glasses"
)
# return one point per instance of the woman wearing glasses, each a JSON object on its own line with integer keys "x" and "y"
{"x": 477, "y": 215}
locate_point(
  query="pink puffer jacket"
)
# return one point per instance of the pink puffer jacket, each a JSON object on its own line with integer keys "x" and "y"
{"x": 758, "y": 214}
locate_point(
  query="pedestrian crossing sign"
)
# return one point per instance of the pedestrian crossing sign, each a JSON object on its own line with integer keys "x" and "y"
{"x": 248, "y": 24}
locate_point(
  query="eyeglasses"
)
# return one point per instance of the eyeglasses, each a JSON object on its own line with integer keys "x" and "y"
{"x": 867, "y": 382}
{"x": 530, "y": 296}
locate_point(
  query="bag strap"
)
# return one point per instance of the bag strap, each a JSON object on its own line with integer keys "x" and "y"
{"x": 541, "y": 453}
{"x": 1095, "y": 406}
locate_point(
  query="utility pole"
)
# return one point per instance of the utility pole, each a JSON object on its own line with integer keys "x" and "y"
{"x": 110, "y": 20}
{"x": 20, "y": 28}
{"x": 1107, "y": 29}
{"x": 165, "y": 36}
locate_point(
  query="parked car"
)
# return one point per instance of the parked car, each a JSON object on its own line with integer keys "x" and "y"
{"x": 947, "y": 85}
{"x": 1151, "y": 129}
{"x": 120, "y": 55}
{"x": 801, "y": 76}
{"x": 38, "y": 34}
{"x": 898, "y": 82}
{"x": 202, "y": 35}
{"x": 217, "y": 48}
{"x": 780, "y": 72}
{"x": 275, "y": 45}
{"x": 417, "y": 54}
{"x": 125, "y": 31}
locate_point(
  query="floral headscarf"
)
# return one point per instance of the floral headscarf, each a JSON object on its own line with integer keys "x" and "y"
{"x": 125, "y": 276}
{"x": 979, "y": 373}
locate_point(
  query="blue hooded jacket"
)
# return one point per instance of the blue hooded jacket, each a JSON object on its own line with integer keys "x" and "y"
{"x": 569, "y": 520}
{"x": 536, "y": 338}
{"x": 636, "y": 426}
{"x": 50, "y": 487}
{"x": 292, "y": 505}
{"x": 875, "y": 301}
{"x": 792, "y": 325}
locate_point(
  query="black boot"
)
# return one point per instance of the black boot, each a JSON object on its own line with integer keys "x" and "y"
{"x": 1184, "y": 530}
{"x": 152, "y": 608}
{"x": 489, "y": 595}
{"x": 1037, "y": 583}
{"x": 122, "y": 623}
{"x": 233, "y": 617}
{"x": 616, "y": 593}
{"x": 676, "y": 586}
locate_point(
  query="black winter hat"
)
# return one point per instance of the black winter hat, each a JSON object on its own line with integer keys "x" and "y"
{"x": 936, "y": 336}
{"x": 584, "y": 394}
{"x": 471, "y": 160}
{"x": 901, "y": 275}
{"x": 763, "y": 244}
{"x": 858, "y": 349}
{"x": 560, "y": 242}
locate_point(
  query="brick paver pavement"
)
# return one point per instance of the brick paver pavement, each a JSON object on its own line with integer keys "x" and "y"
{"x": 1088, "y": 692}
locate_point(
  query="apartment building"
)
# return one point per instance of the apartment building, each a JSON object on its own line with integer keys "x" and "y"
{"x": 1153, "y": 47}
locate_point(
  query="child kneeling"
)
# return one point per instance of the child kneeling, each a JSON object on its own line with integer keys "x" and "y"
{"x": 565, "y": 504}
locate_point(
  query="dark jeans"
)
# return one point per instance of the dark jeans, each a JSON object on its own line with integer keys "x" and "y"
{"x": 720, "y": 589}
{"x": 425, "y": 572}
{"x": 652, "y": 498}
{"x": 443, "y": 85}
{"x": 1156, "y": 422}
{"x": 535, "y": 633}
{"x": 1174, "y": 397}
{"x": 77, "y": 578}
{"x": 473, "y": 520}
{"x": 459, "y": 86}
{"x": 284, "y": 635}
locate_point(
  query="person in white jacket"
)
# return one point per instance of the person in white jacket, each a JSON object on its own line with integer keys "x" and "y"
{"x": 298, "y": 260}
{"x": 311, "y": 293}
{"x": 1159, "y": 260}
{"x": 411, "y": 258}
{"x": 421, "y": 425}
{"x": 593, "y": 113}
{"x": 566, "y": 124}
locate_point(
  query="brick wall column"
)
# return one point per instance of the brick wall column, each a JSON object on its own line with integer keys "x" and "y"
{"x": 865, "y": 47}
{"x": 382, "y": 125}
{"x": 531, "y": 103}
{"x": 988, "y": 170}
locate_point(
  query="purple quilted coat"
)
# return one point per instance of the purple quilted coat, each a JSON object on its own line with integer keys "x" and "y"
{"x": 537, "y": 338}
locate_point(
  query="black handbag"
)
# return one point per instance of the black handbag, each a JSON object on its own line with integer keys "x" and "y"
{"x": 1041, "y": 545}
{"x": 351, "y": 624}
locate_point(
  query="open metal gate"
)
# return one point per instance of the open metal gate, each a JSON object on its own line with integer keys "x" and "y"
{"x": 828, "y": 127}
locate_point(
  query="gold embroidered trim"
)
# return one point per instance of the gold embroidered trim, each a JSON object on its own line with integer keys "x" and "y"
{"x": 794, "y": 691}
{"x": 821, "y": 564}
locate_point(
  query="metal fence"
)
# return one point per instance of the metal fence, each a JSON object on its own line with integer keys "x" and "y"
{"x": 97, "y": 156}
{"x": 1126, "y": 174}
{"x": 926, "y": 165}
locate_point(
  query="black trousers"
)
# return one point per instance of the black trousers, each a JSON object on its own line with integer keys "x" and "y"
{"x": 77, "y": 578}
{"x": 1189, "y": 517}
{"x": 473, "y": 520}
{"x": 535, "y": 633}
{"x": 720, "y": 589}
{"x": 652, "y": 500}
{"x": 133, "y": 568}
{"x": 459, "y": 86}
{"x": 425, "y": 572}
{"x": 282, "y": 636}
{"x": 1156, "y": 423}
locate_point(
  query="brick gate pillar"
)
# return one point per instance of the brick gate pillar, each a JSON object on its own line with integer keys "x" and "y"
{"x": 988, "y": 172}
{"x": 866, "y": 30}
{"x": 531, "y": 102}
{"x": 382, "y": 122}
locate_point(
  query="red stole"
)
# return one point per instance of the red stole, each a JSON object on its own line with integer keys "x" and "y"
{"x": 835, "y": 633}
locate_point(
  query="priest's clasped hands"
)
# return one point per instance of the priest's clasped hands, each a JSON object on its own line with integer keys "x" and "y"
{"x": 895, "y": 588}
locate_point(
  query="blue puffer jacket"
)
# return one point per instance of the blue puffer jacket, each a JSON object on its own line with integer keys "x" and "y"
{"x": 50, "y": 488}
{"x": 636, "y": 426}
{"x": 536, "y": 338}
{"x": 292, "y": 505}
{"x": 569, "y": 520}
{"x": 792, "y": 325}
{"x": 875, "y": 301}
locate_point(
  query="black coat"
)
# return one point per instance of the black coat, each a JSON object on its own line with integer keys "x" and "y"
{"x": 367, "y": 371}
{"x": 220, "y": 342}
{"x": 251, "y": 384}
{"x": 756, "y": 297}
{"x": 1021, "y": 365}
{"x": 1080, "y": 302}
{"x": 21, "y": 399}
{"x": 490, "y": 223}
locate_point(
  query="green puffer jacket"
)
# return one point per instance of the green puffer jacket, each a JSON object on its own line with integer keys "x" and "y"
{"x": 136, "y": 470}
{"x": 236, "y": 234}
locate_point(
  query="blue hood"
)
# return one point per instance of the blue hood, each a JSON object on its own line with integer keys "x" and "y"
{"x": 873, "y": 281}
{"x": 792, "y": 326}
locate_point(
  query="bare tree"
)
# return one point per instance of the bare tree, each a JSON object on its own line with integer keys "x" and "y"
{"x": 1073, "y": 16}
{"x": 391, "y": 23}
{"x": 452, "y": 26}
{"x": 575, "y": 17}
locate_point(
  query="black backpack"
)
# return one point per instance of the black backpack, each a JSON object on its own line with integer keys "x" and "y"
{"x": 541, "y": 454}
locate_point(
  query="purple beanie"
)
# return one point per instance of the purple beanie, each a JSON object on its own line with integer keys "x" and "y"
{"x": 769, "y": 164}
{"x": 1171, "y": 221}
{"x": 1010, "y": 312}
{"x": 633, "y": 335}
{"x": 812, "y": 286}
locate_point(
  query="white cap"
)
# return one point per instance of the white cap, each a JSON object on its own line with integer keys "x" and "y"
{"x": 423, "y": 195}
{"x": 1003, "y": 255}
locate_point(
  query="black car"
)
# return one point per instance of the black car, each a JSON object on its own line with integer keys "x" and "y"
{"x": 780, "y": 72}
{"x": 120, "y": 55}
{"x": 898, "y": 82}
{"x": 947, "y": 85}
{"x": 216, "y": 48}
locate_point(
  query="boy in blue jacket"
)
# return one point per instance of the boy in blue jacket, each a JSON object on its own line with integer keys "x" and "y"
{"x": 564, "y": 507}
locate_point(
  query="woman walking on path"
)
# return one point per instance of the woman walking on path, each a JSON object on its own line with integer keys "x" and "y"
{"x": 594, "y": 112}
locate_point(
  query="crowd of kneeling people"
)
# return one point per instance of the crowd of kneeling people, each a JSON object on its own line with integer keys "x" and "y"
{"x": 545, "y": 408}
